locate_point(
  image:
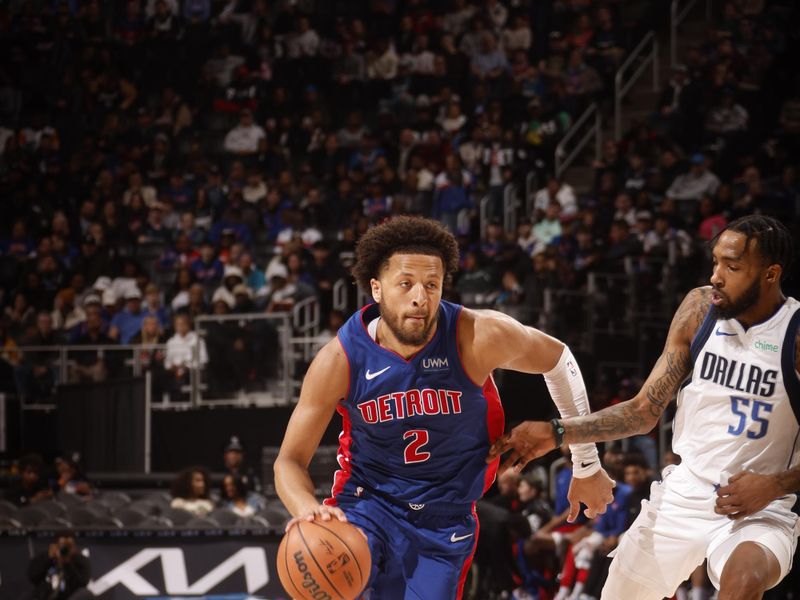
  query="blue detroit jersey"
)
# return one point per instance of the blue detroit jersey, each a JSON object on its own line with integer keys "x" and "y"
{"x": 415, "y": 431}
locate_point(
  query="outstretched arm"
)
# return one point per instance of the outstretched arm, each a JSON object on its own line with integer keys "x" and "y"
{"x": 502, "y": 342}
{"x": 324, "y": 385}
{"x": 639, "y": 415}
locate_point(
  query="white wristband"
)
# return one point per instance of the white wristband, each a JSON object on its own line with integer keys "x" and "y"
{"x": 565, "y": 384}
{"x": 585, "y": 460}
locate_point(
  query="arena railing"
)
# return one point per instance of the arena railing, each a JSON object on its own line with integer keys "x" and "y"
{"x": 511, "y": 206}
{"x": 646, "y": 52}
{"x": 483, "y": 213}
{"x": 563, "y": 157}
{"x": 64, "y": 362}
{"x": 269, "y": 384}
{"x": 677, "y": 15}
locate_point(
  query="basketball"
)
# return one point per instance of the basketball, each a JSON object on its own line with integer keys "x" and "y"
{"x": 324, "y": 560}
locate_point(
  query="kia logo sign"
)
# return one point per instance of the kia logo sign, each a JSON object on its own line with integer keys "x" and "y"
{"x": 252, "y": 560}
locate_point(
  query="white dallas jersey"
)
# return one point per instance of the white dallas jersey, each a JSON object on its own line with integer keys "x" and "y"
{"x": 741, "y": 406}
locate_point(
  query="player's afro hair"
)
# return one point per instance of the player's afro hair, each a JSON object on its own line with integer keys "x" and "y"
{"x": 403, "y": 235}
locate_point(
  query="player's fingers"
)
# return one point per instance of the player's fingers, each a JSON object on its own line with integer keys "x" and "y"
{"x": 727, "y": 509}
{"x": 736, "y": 477}
{"x": 724, "y": 490}
{"x": 574, "y": 510}
{"x": 339, "y": 514}
{"x": 521, "y": 462}
{"x": 499, "y": 447}
{"x": 509, "y": 462}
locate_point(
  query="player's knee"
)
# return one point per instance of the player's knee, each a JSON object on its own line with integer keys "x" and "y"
{"x": 744, "y": 584}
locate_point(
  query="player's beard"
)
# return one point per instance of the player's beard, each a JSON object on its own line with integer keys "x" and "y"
{"x": 406, "y": 335}
{"x": 734, "y": 308}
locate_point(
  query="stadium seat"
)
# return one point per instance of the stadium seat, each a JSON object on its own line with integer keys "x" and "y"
{"x": 130, "y": 517}
{"x": 7, "y": 522}
{"x": 115, "y": 499}
{"x": 147, "y": 507}
{"x": 53, "y": 508}
{"x": 55, "y": 523}
{"x": 86, "y": 515}
{"x": 224, "y": 516}
{"x": 201, "y": 523}
{"x": 30, "y": 516}
{"x": 155, "y": 522}
{"x": 7, "y": 508}
{"x": 178, "y": 516}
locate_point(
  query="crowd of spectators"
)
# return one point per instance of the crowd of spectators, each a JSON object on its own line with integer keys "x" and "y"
{"x": 162, "y": 161}
{"x": 206, "y": 157}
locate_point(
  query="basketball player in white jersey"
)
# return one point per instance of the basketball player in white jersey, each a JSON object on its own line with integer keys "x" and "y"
{"x": 732, "y": 357}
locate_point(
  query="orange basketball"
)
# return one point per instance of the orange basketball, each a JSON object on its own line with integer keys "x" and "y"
{"x": 324, "y": 560}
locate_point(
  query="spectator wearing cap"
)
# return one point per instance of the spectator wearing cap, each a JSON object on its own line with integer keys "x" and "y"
{"x": 127, "y": 322}
{"x": 693, "y": 185}
{"x": 243, "y": 299}
{"x": 278, "y": 294}
{"x": 243, "y": 139}
{"x": 233, "y": 461}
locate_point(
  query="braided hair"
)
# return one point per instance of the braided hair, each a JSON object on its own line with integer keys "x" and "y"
{"x": 773, "y": 240}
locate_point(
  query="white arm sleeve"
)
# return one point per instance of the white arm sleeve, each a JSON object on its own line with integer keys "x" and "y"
{"x": 565, "y": 384}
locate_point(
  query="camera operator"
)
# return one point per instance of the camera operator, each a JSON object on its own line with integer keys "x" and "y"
{"x": 61, "y": 572}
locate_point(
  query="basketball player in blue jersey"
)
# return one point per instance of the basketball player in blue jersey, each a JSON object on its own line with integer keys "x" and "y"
{"x": 732, "y": 357}
{"x": 411, "y": 377}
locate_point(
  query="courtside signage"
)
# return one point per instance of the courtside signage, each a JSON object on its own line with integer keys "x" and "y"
{"x": 251, "y": 561}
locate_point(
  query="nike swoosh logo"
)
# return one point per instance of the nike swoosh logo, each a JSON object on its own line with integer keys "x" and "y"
{"x": 457, "y": 538}
{"x": 718, "y": 332}
{"x": 588, "y": 464}
{"x": 370, "y": 376}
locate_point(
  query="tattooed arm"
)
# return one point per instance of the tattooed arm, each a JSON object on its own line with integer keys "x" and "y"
{"x": 641, "y": 413}
{"x": 530, "y": 439}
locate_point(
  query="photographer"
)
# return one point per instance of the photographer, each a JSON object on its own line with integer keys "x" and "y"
{"x": 61, "y": 572}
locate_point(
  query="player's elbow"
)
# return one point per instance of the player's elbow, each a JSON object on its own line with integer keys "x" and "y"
{"x": 645, "y": 415}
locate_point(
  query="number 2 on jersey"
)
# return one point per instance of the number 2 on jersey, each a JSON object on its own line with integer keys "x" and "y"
{"x": 412, "y": 452}
{"x": 739, "y": 407}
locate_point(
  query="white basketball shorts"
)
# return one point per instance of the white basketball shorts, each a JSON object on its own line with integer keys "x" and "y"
{"x": 677, "y": 529}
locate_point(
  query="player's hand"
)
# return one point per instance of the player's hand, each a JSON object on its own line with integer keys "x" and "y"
{"x": 595, "y": 491}
{"x": 527, "y": 441}
{"x": 321, "y": 512}
{"x": 746, "y": 494}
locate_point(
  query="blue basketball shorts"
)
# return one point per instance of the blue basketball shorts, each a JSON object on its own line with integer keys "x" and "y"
{"x": 419, "y": 552}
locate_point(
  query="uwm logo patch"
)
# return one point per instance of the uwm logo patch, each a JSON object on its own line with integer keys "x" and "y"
{"x": 128, "y": 574}
{"x": 435, "y": 364}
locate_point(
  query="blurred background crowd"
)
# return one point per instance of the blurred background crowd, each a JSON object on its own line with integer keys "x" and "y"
{"x": 165, "y": 160}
